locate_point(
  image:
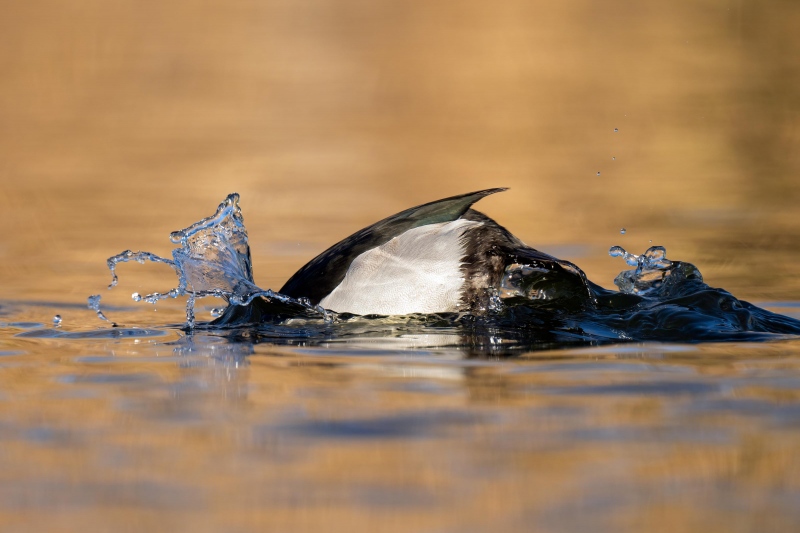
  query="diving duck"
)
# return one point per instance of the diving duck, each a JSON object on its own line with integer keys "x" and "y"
{"x": 439, "y": 257}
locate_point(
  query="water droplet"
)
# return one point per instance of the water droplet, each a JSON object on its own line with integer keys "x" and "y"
{"x": 57, "y": 321}
{"x": 598, "y": 172}
{"x": 217, "y": 312}
{"x": 495, "y": 302}
{"x": 93, "y": 302}
{"x": 656, "y": 253}
{"x": 176, "y": 237}
{"x": 623, "y": 231}
{"x": 190, "y": 311}
{"x": 616, "y": 130}
{"x": 613, "y": 158}
{"x": 136, "y": 297}
{"x": 616, "y": 251}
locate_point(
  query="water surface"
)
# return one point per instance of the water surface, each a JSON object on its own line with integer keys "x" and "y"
{"x": 142, "y": 429}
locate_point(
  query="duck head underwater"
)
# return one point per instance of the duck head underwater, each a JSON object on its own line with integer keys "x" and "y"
{"x": 447, "y": 264}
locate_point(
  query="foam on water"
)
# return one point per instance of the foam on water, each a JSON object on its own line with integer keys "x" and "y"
{"x": 659, "y": 299}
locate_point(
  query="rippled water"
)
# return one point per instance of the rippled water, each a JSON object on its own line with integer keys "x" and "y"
{"x": 631, "y": 124}
{"x": 149, "y": 427}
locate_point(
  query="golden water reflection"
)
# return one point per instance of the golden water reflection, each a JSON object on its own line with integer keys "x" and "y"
{"x": 639, "y": 437}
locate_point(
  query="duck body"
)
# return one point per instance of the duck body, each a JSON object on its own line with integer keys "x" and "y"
{"x": 438, "y": 257}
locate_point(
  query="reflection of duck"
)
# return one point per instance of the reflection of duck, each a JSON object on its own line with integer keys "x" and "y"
{"x": 437, "y": 257}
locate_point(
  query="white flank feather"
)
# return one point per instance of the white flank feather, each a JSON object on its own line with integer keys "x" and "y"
{"x": 418, "y": 271}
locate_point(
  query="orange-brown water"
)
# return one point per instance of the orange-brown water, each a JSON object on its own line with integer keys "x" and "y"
{"x": 120, "y": 122}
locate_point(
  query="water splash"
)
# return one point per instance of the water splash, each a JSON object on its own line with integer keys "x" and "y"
{"x": 213, "y": 260}
{"x": 652, "y": 271}
{"x": 128, "y": 255}
{"x": 525, "y": 281}
{"x": 93, "y": 303}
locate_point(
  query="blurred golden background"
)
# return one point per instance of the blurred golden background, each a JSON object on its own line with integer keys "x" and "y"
{"x": 122, "y": 121}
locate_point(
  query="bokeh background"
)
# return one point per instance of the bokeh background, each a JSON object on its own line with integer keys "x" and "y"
{"x": 123, "y": 120}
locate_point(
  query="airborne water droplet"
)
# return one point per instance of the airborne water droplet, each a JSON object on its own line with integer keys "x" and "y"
{"x": 616, "y": 251}
{"x": 217, "y": 312}
{"x": 57, "y": 321}
{"x": 93, "y": 303}
{"x": 176, "y": 237}
{"x": 136, "y": 297}
{"x": 622, "y": 231}
{"x": 598, "y": 172}
{"x": 616, "y": 130}
{"x": 613, "y": 158}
